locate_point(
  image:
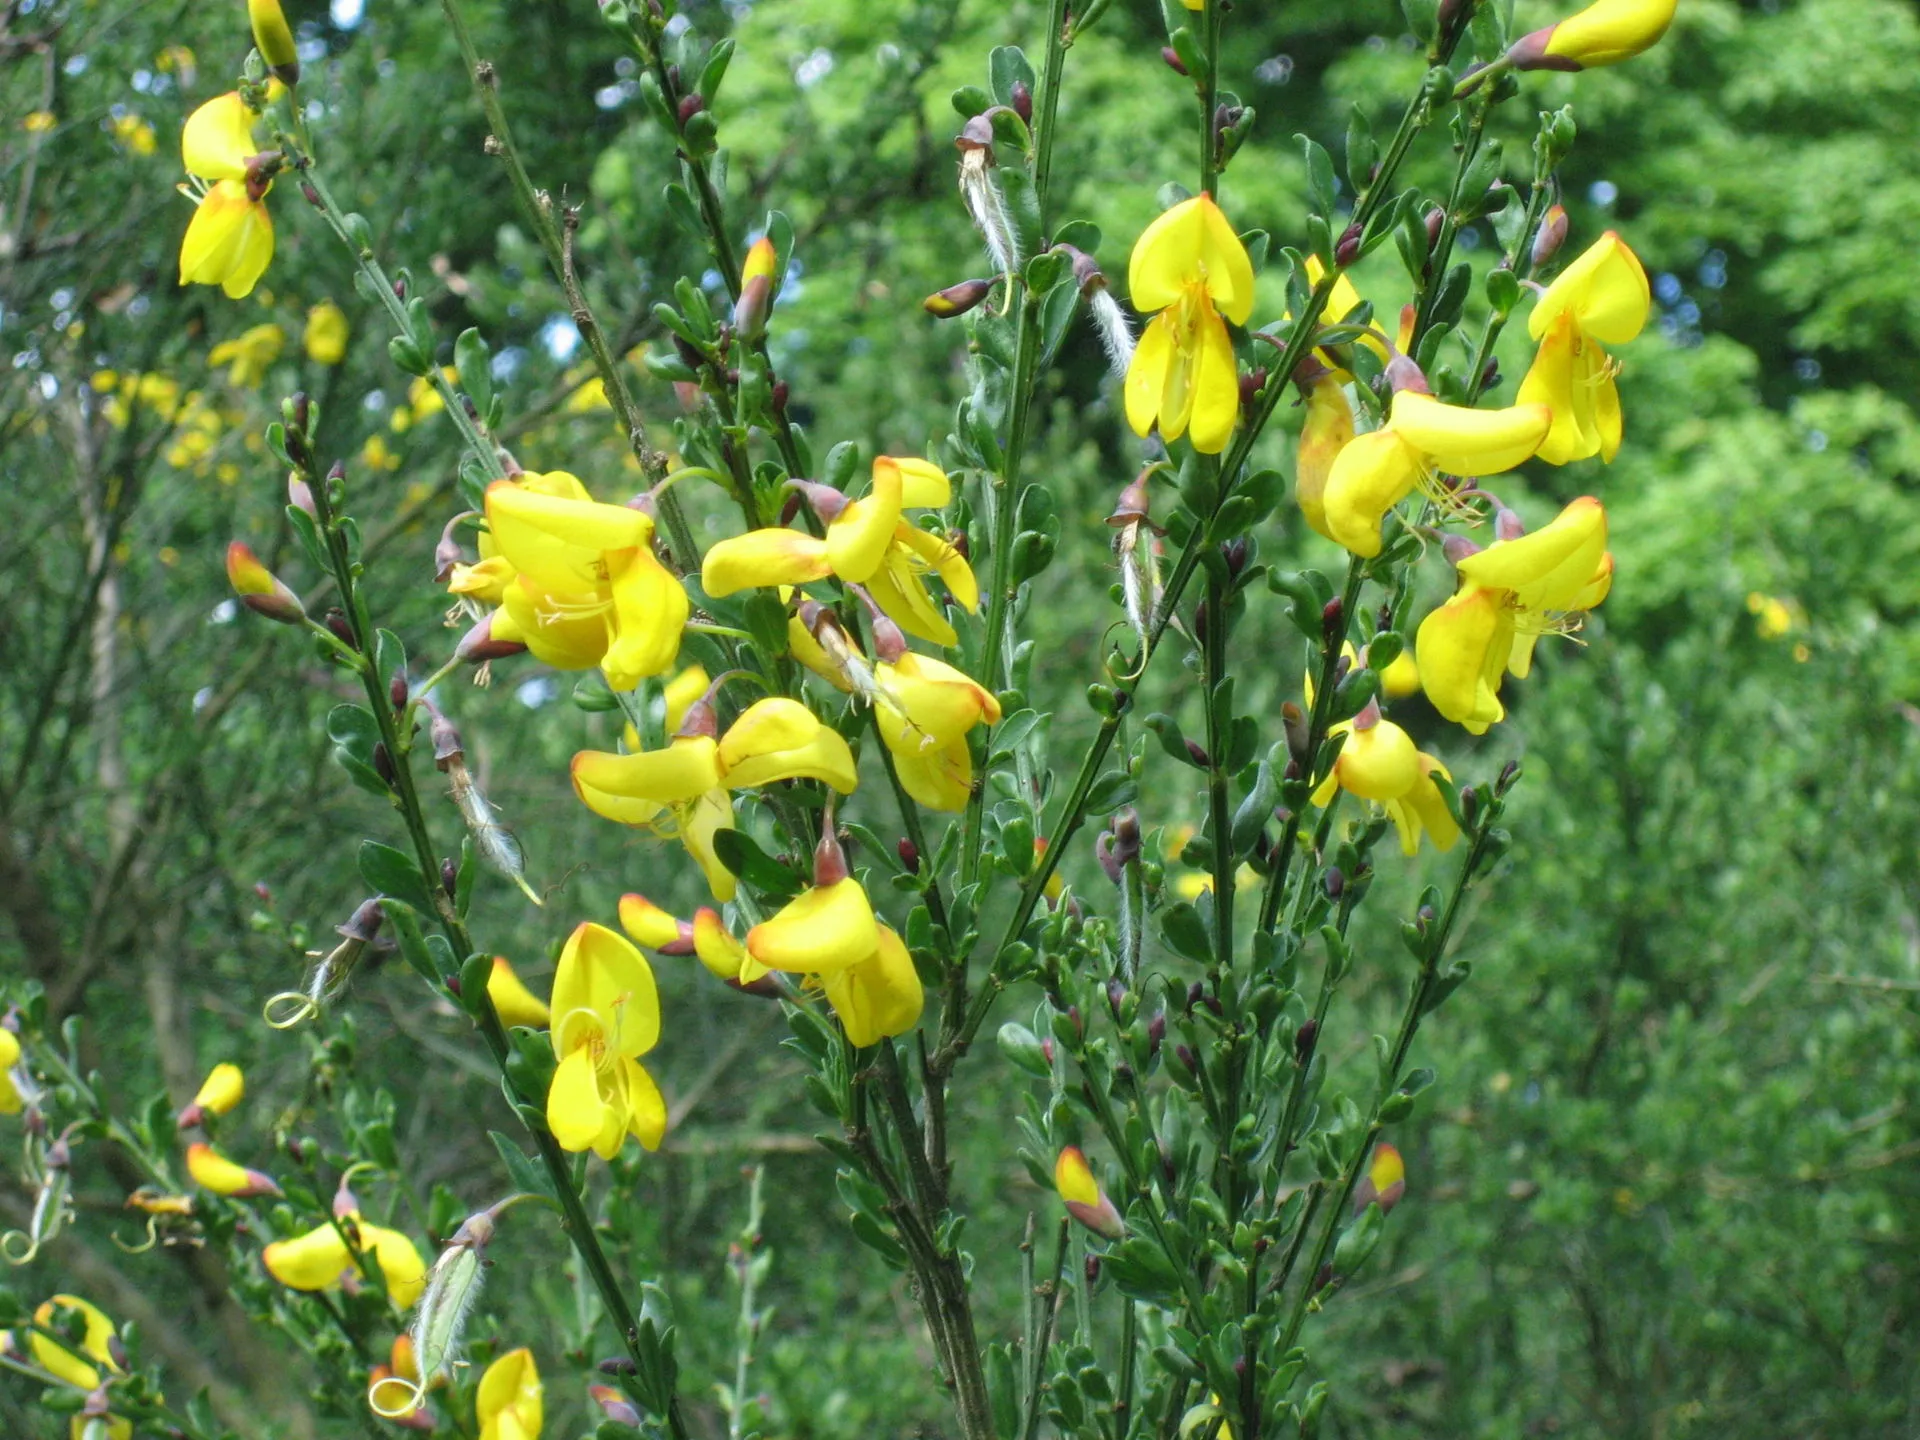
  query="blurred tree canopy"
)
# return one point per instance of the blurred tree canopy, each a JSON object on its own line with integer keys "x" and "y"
{"x": 1671, "y": 1185}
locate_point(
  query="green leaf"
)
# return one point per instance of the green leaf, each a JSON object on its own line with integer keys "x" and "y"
{"x": 1111, "y": 791}
{"x": 394, "y": 873}
{"x": 525, "y": 1174}
{"x": 1186, "y": 932}
{"x": 1007, "y": 66}
{"x": 741, "y": 854}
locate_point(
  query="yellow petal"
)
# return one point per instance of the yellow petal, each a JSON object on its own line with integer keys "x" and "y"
{"x": 812, "y": 654}
{"x": 924, "y": 550}
{"x": 312, "y": 1261}
{"x": 1548, "y": 568}
{"x": 1431, "y": 808}
{"x": 685, "y": 770}
{"x": 1552, "y": 381}
{"x": 565, "y": 630}
{"x": 516, "y": 1004}
{"x": 57, "y": 1359}
{"x": 716, "y": 946}
{"x": 647, "y": 923}
{"x": 650, "y": 610}
{"x": 1147, "y": 373}
{"x": 575, "y": 1112}
{"x": 223, "y": 1089}
{"x": 682, "y": 690}
{"x": 1073, "y": 1178}
{"x": 1191, "y": 241}
{"x": 646, "y": 1107}
{"x": 1328, "y": 428}
{"x": 557, "y": 541}
{"x": 510, "y": 1403}
{"x": 1371, "y": 474}
{"x": 770, "y": 556}
{"x": 229, "y": 241}
{"x": 940, "y": 778}
{"x": 699, "y": 823}
{"x": 923, "y": 484}
{"x": 902, "y": 596}
{"x": 1604, "y": 290}
{"x": 780, "y": 739}
{"x": 1463, "y": 647}
{"x": 878, "y": 997}
{"x": 1378, "y": 763}
{"x": 214, "y": 1171}
{"x": 217, "y": 140}
{"x": 400, "y": 1263}
{"x": 1216, "y": 387}
{"x": 940, "y": 703}
{"x": 825, "y": 928}
{"x": 859, "y": 535}
{"x": 1610, "y": 31}
{"x": 604, "y": 989}
{"x": 1464, "y": 441}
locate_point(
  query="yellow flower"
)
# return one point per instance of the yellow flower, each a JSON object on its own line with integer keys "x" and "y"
{"x": 1401, "y": 678}
{"x": 1516, "y": 590}
{"x": 1605, "y": 33}
{"x": 1083, "y": 1197}
{"x": 1772, "y": 617}
{"x": 1191, "y": 267}
{"x": 515, "y": 1004}
{"x": 607, "y": 1015}
{"x": 259, "y": 589}
{"x": 38, "y": 122}
{"x": 74, "y": 1369}
{"x": 248, "y": 355}
{"x": 1602, "y": 296}
{"x": 508, "y": 1404}
{"x": 326, "y": 334}
{"x": 214, "y": 1171}
{"x": 1328, "y": 428}
{"x": 321, "y": 1258}
{"x": 653, "y": 927}
{"x": 11, "y": 1101}
{"x": 587, "y": 588}
{"x": 682, "y": 788}
{"x": 274, "y": 40}
{"x": 868, "y": 542}
{"x": 229, "y": 241}
{"x": 1380, "y": 762}
{"x": 223, "y": 1089}
{"x": 134, "y": 134}
{"x": 1376, "y": 471}
{"x": 829, "y": 934}
{"x": 926, "y": 709}
{"x": 377, "y": 456}
{"x": 756, "y": 289}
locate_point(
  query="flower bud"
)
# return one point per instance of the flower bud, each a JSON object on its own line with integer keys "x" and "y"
{"x": 615, "y": 1406}
{"x": 1304, "y": 1040}
{"x": 1172, "y": 57}
{"x": 478, "y": 645}
{"x": 259, "y": 589}
{"x": 1346, "y": 249}
{"x": 1551, "y": 235}
{"x": 338, "y": 627}
{"x": 224, "y": 1088}
{"x": 1333, "y": 620}
{"x": 1022, "y": 98}
{"x": 274, "y": 40}
{"x": 956, "y": 299}
{"x": 1403, "y": 374}
{"x": 756, "y": 287}
{"x": 1334, "y": 882}
{"x": 397, "y": 690}
{"x": 1085, "y": 1200}
{"x": 909, "y": 855}
{"x": 1156, "y": 1032}
{"x": 1605, "y": 33}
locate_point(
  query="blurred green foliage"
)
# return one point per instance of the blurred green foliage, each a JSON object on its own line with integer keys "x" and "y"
{"x": 1669, "y": 1182}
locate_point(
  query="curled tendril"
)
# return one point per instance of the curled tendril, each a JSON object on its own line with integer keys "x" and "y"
{"x": 414, "y": 1392}
{"x": 10, "y": 1243}
{"x": 153, "y": 1238}
{"x": 288, "y": 1009}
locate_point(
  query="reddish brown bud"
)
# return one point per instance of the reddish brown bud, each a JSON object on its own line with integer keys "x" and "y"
{"x": 956, "y": 299}
{"x": 689, "y": 106}
{"x": 909, "y": 855}
{"x": 1172, "y": 57}
{"x": 1551, "y": 235}
{"x": 1346, "y": 249}
{"x": 1333, "y": 620}
{"x": 1022, "y": 99}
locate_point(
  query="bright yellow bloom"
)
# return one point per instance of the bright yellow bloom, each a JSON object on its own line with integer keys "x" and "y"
{"x": 651, "y": 926}
{"x": 259, "y": 589}
{"x": 756, "y": 288}
{"x": 1083, "y": 1197}
{"x": 248, "y": 355}
{"x": 682, "y": 788}
{"x": 230, "y": 238}
{"x": 1510, "y": 594}
{"x": 1605, "y": 33}
{"x": 215, "y": 1172}
{"x": 508, "y": 1404}
{"x": 274, "y": 40}
{"x": 1385, "y": 1181}
{"x": 1376, "y": 471}
{"x": 1380, "y": 762}
{"x": 321, "y": 1259}
{"x": 223, "y": 1089}
{"x": 868, "y": 542}
{"x": 607, "y": 1015}
{"x": 326, "y": 334}
{"x": 38, "y": 122}
{"x": 587, "y": 587}
{"x": 1191, "y": 267}
{"x": 926, "y": 709}
{"x": 829, "y": 933}
{"x": 73, "y": 1369}
{"x": 1602, "y": 296}
{"x": 1328, "y": 428}
{"x": 512, "y": 1001}
{"x": 11, "y": 1101}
